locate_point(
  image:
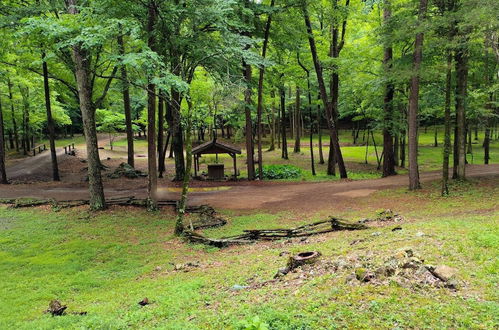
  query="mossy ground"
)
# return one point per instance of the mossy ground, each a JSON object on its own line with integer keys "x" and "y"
{"x": 105, "y": 263}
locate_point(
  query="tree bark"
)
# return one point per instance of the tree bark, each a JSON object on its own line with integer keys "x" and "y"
{"x": 126, "y": 105}
{"x": 161, "y": 127}
{"x": 152, "y": 182}
{"x": 260, "y": 93}
{"x": 284, "y": 151}
{"x": 250, "y": 151}
{"x": 322, "y": 88}
{"x": 388, "y": 150}
{"x": 50, "y": 121}
{"x": 81, "y": 60}
{"x": 412, "y": 116}
{"x": 297, "y": 121}
{"x": 461, "y": 58}
{"x": 447, "y": 119}
{"x": 3, "y": 173}
{"x": 13, "y": 115}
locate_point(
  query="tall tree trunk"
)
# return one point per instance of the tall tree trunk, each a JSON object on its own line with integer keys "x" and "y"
{"x": 284, "y": 151}
{"x": 322, "y": 87}
{"x": 13, "y": 115}
{"x": 412, "y": 116}
{"x": 319, "y": 131}
{"x": 297, "y": 121}
{"x": 309, "y": 93}
{"x": 260, "y": 93}
{"x": 81, "y": 60}
{"x": 125, "y": 90}
{"x": 177, "y": 136}
{"x": 461, "y": 58}
{"x": 250, "y": 151}
{"x": 161, "y": 128}
{"x": 179, "y": 225}
{"x": 388, "y": 151}
{"x": 152, "y": 182}
{"x": 447, "y": 119}
{"x": 3, "y": 173}
{"x": 50, "y": 121}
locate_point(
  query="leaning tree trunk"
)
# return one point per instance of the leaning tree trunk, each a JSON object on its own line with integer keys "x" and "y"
{"x": 319, "y": 131}
{"x": 3, "y": 173}
{"x": 81, "y": 60}
{"x": 445, "y": 163}
{"x": 461, "y": 87}
{"x": 388, "y": 150}
{"x": 126, "y": 104}
{"x": 152, "y": 182}
{"x": 412, "y": 115}
{"x": 322, "y": 88}
{"x": 50, "y": 121}
{"x": 177, "y": 135}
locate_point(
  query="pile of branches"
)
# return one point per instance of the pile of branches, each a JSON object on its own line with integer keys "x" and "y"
{"x": 250, "y": 236}
{"x": 207, "y": 217}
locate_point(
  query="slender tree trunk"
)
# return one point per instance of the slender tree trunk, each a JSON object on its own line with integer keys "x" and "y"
{"x": 177, "y": 136}
{"x": 447, "y": 119}
{"x": 179, "y": 225}
{"x": 461, "y": 91}
{"x": 412, "y": 116}
{"x": 50, "y": 121}
{"x": 260, "y": 93}
{"x": 309, "y": 93}
{"x": 322, "y": 87}
{"x": 152, "y": 182}
{"x": 388, "y": 152}
{"x": 125, "y": 90}
{"x": 272, "y": 124}
{"x": 319, "y": 131}
{"x": 3, "y": 173}
{"x": 161, "y": 128}
{"x": 297, "y": 121}
{"x": 284, "y": 150}
{"x": 13, "y": 115}
{"x": 81, "y": 60}
{"x": 250, "y": 157}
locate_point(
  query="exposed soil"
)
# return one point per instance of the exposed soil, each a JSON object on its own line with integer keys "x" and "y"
{"x": 301, "y": 197}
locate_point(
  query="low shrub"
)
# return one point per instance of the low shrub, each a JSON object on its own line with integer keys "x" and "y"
{"x": 276, "y": 172}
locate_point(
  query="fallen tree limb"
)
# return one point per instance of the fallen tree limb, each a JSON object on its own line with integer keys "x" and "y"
{"x": 250, "y": 236}
{"x": 121, "y": 201}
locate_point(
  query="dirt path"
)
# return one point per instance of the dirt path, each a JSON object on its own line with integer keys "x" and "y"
{"x": 38, "y": 167}
{"x": 260, "y": 196}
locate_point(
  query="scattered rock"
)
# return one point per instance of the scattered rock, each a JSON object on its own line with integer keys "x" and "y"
{"x": 144, "y": 302}
{"x": 125, "y": 170}
{"x": 364, "y": 275}
{"x": 445, "y": 273}
{"x": 158, "y": 268}
{"x": 420, "y": 234}
{"x": 283, "y": 253}
{"x": 357, "y": 241}
{"x": 237, "y": 287}
{"x": 376, "y": 233}
{"x": 56, "y": 308}
{"x": 187, "y": 266}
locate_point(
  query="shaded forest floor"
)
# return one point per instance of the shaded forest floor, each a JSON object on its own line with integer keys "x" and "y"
{"x": 105, "y": 263}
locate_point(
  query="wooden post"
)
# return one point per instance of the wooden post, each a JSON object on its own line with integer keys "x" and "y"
{"x": 65, "y": 150}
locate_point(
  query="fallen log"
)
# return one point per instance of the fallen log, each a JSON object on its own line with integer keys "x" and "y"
{"x": 251, "y": 236}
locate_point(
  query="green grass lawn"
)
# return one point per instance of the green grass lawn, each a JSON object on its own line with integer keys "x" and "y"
{"x": 105, "y": 263}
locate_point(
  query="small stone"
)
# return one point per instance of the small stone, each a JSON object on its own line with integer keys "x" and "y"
{"x": 376, "y": 233}
{"x": 144, "y": 302}
{"x": 452, "y": 284}
{"x": 237, "y": 287}
{"x": 283, "y": 253}
{"x": 420, "y": 234}
{"x": 445, "y": 273}
{"x": 158, "y": 268}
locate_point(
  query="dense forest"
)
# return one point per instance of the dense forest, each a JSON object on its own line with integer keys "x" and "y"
{"x": 264, "y": 72}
